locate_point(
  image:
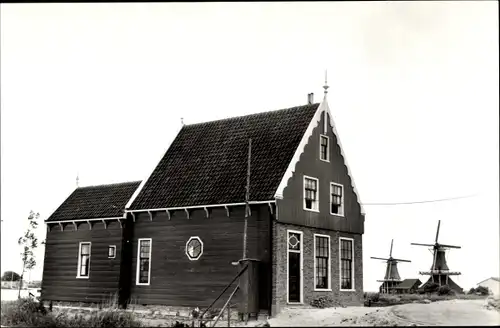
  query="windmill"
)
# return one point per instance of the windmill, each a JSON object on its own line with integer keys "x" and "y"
{"x": 440, "y": 272}
{"x": 391, "y": 278}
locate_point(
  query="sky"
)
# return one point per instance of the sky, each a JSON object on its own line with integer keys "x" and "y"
{"x": 99, "y": 90}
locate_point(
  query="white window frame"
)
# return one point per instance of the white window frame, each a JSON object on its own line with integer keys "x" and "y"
{"x": 353, "y": 289}
{"x": 114, "y": 251}
{"x": 138, "y": 262}
{"x": 327, "y": 148}
{"x": 304, "y": 194}
{"x": 341, "y": 214}
{"x": 186, "y": 248}
{"x": 329, "y": 264}
{"x": 78, "y": 269}
{"x": 301, "y": 251}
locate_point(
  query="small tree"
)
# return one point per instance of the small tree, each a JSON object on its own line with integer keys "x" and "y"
{"x": 10, "y": 276}
{"x": 28, "y": 242}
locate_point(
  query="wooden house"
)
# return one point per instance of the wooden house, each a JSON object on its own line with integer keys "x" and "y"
{"x": 407, "y": 286}
{"x": 83, "y": 246}
{"x": 182, "y": 228}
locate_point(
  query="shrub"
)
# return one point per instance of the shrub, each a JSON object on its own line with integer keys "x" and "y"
{"x": 431, "y": 288}
{"x": 445, "y": 290}
{"x": 30, "y": 313}
{"x": 322, "y": 302}
{"x": 483, "y": 290}
{"x": 103, "y": 319}
{"x": 374, "y": 297}
{"x": 24, "y": 312}
{"x": 472, "y": 291}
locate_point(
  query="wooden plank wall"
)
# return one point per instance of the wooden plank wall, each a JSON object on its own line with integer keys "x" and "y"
{"x": 61, "y": 260}
{"x": 178, "y": 281}
{"x": 290, "y": 208}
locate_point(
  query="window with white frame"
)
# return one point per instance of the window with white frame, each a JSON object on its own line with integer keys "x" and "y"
{"x": 336, "y": 199}
{"x": 194, "y": 248}
{"x": 144, "y": 261}
{"x": 346, "y": 264}
{"x": 111, "y": 251}
{"x": 311, "y": 201}
{"x": 322, "y": 262}
{"x": 324, "y": 147}
{"x": 84, "y": 259}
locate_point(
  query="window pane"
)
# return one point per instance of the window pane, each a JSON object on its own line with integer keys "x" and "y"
{"x": 85, "y": 249}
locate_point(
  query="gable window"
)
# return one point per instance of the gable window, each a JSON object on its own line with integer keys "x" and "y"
{"x": 346, "y": 264}
{"x": 336, "y": 199}
{"x": 324, "y": 145}
{"x": 194, "y": 248}
{"x": 321, "y": 262}
{"x": 84, "y": 260}
{"x": 111, "y": 251}
{"x": 143, "y": 261}
{"x": 311, "y": 201}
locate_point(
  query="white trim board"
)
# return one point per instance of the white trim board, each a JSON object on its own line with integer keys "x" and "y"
{"x": 200, "y": 206}
{"x": 353, "y": 289}
{"x": 84, "y": 220}
{"x": 322, "y": 108}
{"x": 329, "y": 288}
{"x": 138, "y": 262}
{"x": 78, "y": 269}
{"x": 301, "y": 252}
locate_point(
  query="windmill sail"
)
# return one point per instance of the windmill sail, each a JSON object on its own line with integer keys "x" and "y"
{"x": 440, "y": 272}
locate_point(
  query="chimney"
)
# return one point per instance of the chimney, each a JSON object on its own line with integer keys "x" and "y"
{"x": 310, "y": 98}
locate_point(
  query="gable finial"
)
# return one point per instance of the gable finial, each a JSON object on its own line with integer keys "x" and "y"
{"x": 77, "y": 179}
{"x": 326, "y": 82}
{"x": 182, "y": 121}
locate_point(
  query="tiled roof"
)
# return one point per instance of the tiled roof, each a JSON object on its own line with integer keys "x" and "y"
{"x": 207, "y": 162}
{"x": 103, "y": 201}
{"x": 408, "y": 283}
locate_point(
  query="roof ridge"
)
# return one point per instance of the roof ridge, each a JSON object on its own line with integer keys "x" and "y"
{"x": 111, "y": 184}
{"x": 252, "y": 115}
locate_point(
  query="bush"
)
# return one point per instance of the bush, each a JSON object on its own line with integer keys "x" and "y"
{"x": 431, "y": 288}
{"x": 483, "y": 290}
{"x": 445, "y": 290}
{"x": 30, "y": 313}
{"x": 472, "y": 291}
{"x": 24, "y": 312}
{"x": 374, "y": 297}
{"x": 322, "y": 302}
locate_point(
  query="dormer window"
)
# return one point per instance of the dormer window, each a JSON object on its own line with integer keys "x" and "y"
{"x": 311, "y": 201}
{"x": 324, "y": 145}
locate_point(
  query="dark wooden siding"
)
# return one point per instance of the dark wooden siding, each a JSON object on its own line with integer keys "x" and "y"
{"x": 176, "y": 280}
{"x": 290, "y": 208}
{"x": 61, "y": 260}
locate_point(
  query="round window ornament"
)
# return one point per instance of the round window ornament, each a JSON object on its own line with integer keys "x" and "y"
{"x": 194, "y": 248}
{"x": 293, "y": 241}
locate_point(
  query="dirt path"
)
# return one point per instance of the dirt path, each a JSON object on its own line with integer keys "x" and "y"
{"x": 449, "y": 313}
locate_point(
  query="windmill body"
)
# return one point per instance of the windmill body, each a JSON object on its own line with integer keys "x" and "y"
{"x": 439, "y": 271}
{"x": 391, "y": 277}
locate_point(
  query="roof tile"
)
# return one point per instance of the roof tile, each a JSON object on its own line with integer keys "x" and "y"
{"x": 92, "y": 202}
{"x": 207, "y": 162}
